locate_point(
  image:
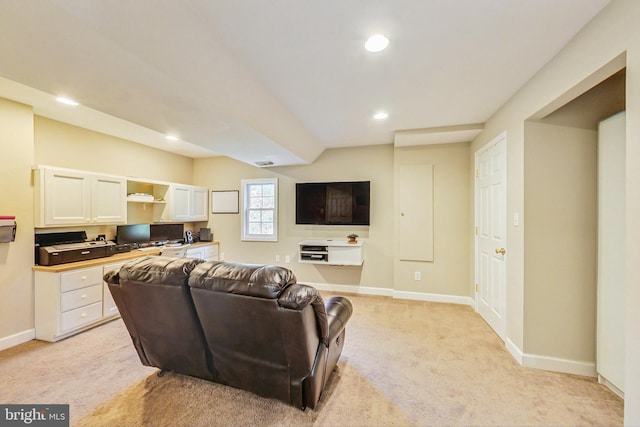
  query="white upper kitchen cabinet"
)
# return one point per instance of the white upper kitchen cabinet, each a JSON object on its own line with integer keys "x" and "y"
{"x": 185, "y": 203}
{"x": 65, "y": 197}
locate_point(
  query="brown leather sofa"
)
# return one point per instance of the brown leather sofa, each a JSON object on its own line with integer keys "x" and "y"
{"x": 247, "y": 326}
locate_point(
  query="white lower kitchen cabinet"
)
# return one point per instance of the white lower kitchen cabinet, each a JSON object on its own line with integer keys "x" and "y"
{"x": 72, "y": 301}
{"x": 205, "y": 251}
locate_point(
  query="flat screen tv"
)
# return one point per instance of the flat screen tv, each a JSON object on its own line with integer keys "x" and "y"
{"x": 333, "y": 203}
{"x": 135, "y": 233}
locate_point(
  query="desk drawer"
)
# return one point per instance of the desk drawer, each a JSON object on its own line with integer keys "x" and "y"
{"x": 80, "y": 316}
{"x": 80, "y": 297}
{"x": 81, "y": 278}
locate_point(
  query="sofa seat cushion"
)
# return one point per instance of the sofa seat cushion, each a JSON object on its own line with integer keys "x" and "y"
{"x": 242, "y": 279}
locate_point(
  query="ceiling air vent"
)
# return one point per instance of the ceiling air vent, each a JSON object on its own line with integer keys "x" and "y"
{"x": 264, "y": 163}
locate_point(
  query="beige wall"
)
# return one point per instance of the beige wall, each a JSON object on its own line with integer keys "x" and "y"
{"x": 449, "y": 273}
{"x": 68, "y": 146}
{"x": 25, "y": 140}
{"x": 373, "y": 164}
{"x": 16, "y": 259}
{"x": 612, "y": 33}
{"x": 610, "y": 36}
{"x": 63, "y": 145}
{"x": 560, "y": 187}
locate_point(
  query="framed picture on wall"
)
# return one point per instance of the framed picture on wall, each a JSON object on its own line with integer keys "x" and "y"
{"x": 225, "y": 201}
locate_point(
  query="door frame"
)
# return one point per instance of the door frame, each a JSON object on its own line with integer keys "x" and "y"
{"x": 501, "y": 136}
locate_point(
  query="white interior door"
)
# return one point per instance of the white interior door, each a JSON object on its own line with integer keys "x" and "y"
{"x": 491, "y": 229}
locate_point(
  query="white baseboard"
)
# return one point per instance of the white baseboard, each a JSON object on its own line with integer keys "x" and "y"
{"x": 388, "y": 292}
{"x": 19, "y": 338}
{"x": 514, "y": 351}
{"x": 576, "y": 367}
{"x": 528, "y": 360}
{"x": 567, "y": 366}
{"x": 364, "y": 290}
{"x": 612, "y": 387}
{"x": 422, "y": 296}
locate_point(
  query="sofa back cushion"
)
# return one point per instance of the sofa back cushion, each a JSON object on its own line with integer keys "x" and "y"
{"x": 156, "y": 306}
{"x": 158, "y": 270}
{"x": 242, "y": 279}
{"x": 258, "y": 342}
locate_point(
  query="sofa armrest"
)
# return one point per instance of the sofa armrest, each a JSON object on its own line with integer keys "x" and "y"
{"x": 299, "y": 296}
{"x": 339, "y": 311}
{"x": 112, "y": 277}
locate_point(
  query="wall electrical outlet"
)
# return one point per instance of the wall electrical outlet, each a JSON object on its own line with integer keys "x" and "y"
{"x": 417, "y": 276}
{"x": 277, "y": 258}
{"x": 287, "y": 259}
{"x": 222, "y": 256}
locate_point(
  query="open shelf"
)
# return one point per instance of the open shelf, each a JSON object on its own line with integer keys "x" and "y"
{"x": 330, "y": 252}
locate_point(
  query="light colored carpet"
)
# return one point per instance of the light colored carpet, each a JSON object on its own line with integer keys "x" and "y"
{"x": 404, "y": 363}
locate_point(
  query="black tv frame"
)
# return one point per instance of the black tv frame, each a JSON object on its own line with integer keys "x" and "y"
{"x": 311, "y": 203}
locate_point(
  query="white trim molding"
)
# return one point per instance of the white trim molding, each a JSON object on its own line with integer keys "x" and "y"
{"x": 613, "y": 388}
{"x": 576, "y": 367}
{"x": 388, "y": 292}
{"x": 353, "y": 289}
{"x": 422, "y": 296}
{"x": 514, "y": 351}
{"x": 548, "y": 363}
{"x": 19, "y": 338}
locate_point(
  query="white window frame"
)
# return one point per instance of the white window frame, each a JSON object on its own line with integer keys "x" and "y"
{"x": 246, "y": 235}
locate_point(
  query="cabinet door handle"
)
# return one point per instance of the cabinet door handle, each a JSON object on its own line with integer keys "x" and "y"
{"x": 83, "y": 315}
{"x": 83, "y": 278}
{"x": 84, "y": 296}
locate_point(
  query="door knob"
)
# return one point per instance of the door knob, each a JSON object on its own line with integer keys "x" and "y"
{"x": 500, "y": 251}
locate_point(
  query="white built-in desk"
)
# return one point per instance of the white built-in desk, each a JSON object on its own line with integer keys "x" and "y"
{"x": 71, "y": 298}
{"x": 331, "y": 252}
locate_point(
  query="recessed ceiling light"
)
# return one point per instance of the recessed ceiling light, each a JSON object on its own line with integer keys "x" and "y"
{"x": 376, "y": 43}
{"x": 171, "y": 138}
{"x": 66, "y": 101}
{"x": 381, "y": 115}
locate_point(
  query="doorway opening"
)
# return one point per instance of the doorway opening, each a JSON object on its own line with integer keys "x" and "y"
{"x": 561, "y": 222}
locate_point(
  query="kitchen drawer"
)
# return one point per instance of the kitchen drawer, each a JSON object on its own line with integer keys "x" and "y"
{"x": 212, "y": 253}
{"x": 80, "y": 297}
{"x": 80, "y": 316}
{"x": 205, "y": 252}
{"x": 174, "y": 252}
{"x": 81, "y": 278}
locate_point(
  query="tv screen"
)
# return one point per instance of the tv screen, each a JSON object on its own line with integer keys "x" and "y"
{"x": 167, "y": 232}
{"x": 137, "y": 233}
{"x": 333, "y": 203}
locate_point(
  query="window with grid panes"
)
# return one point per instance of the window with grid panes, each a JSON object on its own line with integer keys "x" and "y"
{"x": 260, "y": 209}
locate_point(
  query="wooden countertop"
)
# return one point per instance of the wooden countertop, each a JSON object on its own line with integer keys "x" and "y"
{"x": 107, "y": 260}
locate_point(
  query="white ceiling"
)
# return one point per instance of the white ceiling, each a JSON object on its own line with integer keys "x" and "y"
{"x": 277, "y": 80}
